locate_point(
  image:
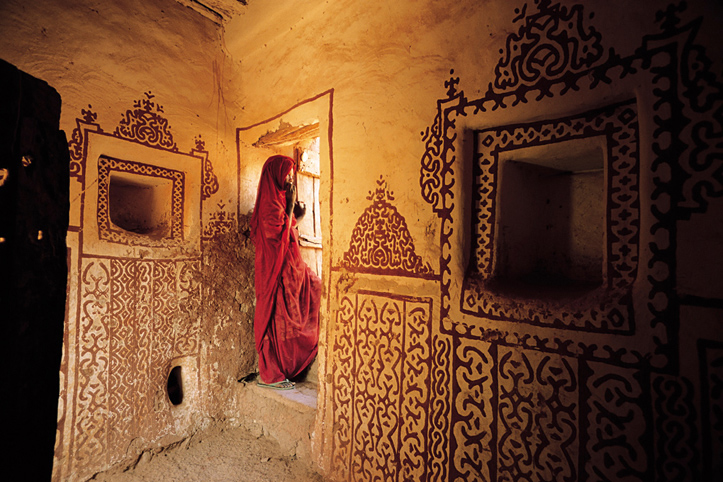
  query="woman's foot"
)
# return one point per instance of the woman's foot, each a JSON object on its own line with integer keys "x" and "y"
{"x": 282, "y": 385}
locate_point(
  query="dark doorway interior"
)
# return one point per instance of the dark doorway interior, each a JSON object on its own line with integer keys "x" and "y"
{"x": 34, "y": 209}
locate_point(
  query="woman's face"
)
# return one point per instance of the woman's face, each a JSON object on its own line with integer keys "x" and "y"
{"x": 289, "y": 179}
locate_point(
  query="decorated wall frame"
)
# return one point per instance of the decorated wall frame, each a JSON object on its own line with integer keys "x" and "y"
{"x": 606, "y": 308}
{"x": 108, "y": 155}
{"x": 141, "y": 152}
{"x": 670, "y": 93}
{"x": 131, "y": 291}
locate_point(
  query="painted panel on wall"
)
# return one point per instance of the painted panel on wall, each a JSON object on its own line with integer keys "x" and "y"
{"x": 381, "y": 242}
{"x": 607, "y": 308}
{"x": 381, "y": 387}
{"x": 135, "y": 310}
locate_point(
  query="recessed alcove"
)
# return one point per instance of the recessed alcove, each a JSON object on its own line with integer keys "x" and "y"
{"x": 141, "y": 204}
{"x": 551, "y": 219}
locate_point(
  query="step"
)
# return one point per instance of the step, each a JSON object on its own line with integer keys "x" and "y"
{"x": 287, "y": 416}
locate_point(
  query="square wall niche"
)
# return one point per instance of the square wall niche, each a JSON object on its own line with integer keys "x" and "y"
{"x": 551, "y": 216}
{"x": 140, "y": 201}
{"x": 141, "y": 204}
{"x": 556, "y": 221}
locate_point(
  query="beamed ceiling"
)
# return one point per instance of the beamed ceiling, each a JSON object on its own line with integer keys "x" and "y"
{"x": 218, "y": 11}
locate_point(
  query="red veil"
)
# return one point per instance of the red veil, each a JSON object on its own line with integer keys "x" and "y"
{"x": 288, "y": 292}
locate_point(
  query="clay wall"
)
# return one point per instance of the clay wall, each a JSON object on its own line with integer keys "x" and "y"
{"x": 152, "y": 185}
{"x": 458, "y": 343}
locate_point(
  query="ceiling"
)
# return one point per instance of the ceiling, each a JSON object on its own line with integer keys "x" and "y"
{"x": 218, "y": 11}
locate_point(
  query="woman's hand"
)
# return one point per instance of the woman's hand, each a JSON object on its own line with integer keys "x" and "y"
{"x": 290, "y": 198}
{"x": 299, "y": 210}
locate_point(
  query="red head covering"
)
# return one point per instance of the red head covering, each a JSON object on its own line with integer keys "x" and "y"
{"x": 269, "y": 226}
{"x": 271, "y": 189}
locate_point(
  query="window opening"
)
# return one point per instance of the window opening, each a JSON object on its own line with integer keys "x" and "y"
{"x": 308, "y": 177}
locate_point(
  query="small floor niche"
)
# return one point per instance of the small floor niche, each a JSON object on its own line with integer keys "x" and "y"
{"x": 174, "y": 387}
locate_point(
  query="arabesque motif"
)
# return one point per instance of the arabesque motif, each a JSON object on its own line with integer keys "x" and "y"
{"x": 381, "y": 243}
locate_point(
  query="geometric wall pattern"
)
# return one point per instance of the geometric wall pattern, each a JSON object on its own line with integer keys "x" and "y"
{"x": 382, "y": 352}
{"x": 607, "y": 309}
{"x": 130, "y": 315}
{"x": 136, "y": 316}
{"x": 711, "y": 369}
{"x": 381, "y": 242}
{"x": 684, "y": 173}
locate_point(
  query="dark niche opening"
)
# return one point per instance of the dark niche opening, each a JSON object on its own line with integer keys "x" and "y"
{"x": 175, "y": 386}
{"x": 551, "y": 231}
{"x": 141, "y": 204}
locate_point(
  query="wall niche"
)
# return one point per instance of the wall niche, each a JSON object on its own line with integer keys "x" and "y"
{"x": 141, "y": 204}
{"x": 555, "y": 221}
{"x": 140, "y": 197}
{"x": 551, "y": 218}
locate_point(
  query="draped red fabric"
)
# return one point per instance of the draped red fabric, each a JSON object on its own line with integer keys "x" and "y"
{"x": 288, "y": 292}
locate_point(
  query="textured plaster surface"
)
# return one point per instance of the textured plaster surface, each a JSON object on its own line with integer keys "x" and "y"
{"x": 145, "y": 82}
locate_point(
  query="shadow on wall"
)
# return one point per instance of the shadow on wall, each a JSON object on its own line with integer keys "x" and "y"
{"x": 34, "y": 206}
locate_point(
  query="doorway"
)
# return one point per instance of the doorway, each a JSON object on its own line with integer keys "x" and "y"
{"x": 304, "y": 133}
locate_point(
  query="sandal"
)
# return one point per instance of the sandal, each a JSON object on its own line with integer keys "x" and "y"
{"x": 282, "y": 385}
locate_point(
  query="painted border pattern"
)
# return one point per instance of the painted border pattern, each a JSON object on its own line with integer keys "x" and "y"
{"x": 609, "y": 308}
{"x": 675, "y": 428}
{"x": 382, "y": 386}
{"x": 710, "y": 356}
{"x": 538, "y": 416}
{"x": 617, "y": 424}
{"x": 106, "y": 229}
{"x": 147, "y": 308}
{"x": 675, "y": 116}
{"x": 475, "y": 402}
{"x": 637, "y": 412}
{"x": 143, "y": 126}
{"x": 134, "y": 323}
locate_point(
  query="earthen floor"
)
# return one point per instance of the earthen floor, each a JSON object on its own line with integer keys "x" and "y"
{"x": 221, "y": 455}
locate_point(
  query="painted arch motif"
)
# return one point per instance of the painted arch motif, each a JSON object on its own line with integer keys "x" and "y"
{"x": 381, "y": 243}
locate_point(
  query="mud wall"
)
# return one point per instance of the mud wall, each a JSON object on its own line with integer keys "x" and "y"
{"x": 441, "y": 359}
{"x": 152, "y": 185}
{"x": 227, "y": 277}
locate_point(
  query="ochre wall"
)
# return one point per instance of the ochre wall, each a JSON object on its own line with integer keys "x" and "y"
{"x": 143, "y": 84}
{"x": 431, "y": 368}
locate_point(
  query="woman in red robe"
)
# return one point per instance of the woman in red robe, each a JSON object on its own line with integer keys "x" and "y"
{"x": 288, "y": 292}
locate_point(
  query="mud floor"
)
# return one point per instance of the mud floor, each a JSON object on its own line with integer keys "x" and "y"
{"x": 220, "y": 455}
